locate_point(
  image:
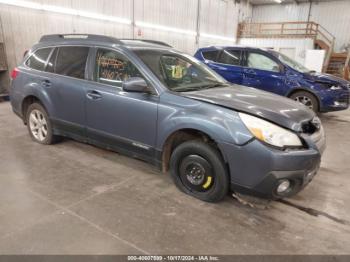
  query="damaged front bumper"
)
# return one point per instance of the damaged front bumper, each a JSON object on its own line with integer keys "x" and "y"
{"x": 257, "y": 169}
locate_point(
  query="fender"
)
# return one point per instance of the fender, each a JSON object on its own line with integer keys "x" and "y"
{"x": 221, "y": 124}
{"x": 22, "y": 90}
{"x": 40, "y": 93}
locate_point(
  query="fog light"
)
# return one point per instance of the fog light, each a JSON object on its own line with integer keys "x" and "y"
{"x": 283, "y": 186}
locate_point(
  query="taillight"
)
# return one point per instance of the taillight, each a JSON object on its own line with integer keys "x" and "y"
{"x": 14, "y": 73}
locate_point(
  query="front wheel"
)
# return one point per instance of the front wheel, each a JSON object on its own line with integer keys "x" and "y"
{"x": 306, "y": 99}
{"x": 198, "y": 170}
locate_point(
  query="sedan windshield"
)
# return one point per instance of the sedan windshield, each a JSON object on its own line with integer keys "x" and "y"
{"x": 290, "y": 62}
{"x": 180, "y": 73}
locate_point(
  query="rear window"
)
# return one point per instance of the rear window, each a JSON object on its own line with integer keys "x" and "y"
{"x": 70, "y": 61}
{"x": 210, "y": 55}
{"x": 37, "y": 60}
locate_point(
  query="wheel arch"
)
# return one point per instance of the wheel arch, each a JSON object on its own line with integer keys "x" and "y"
{"x": 26, "y": 102}
{"x": 181, "y": 135}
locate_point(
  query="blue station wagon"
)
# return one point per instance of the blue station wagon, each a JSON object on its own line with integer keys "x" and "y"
{"x": 274, "y": 72}
{"x": 147, "y": 100}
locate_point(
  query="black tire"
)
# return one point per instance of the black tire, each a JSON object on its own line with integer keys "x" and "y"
{"x": 49, "y": 138}
{"x": 211, "y": 185}
{"x": 309, "y": 101}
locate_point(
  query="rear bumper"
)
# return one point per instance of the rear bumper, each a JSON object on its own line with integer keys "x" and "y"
{"x": 257, "y": 169}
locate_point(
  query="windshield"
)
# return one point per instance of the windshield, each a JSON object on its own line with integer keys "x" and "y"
{"x": 180, "y": 73}
{"x": 290, "y": 62}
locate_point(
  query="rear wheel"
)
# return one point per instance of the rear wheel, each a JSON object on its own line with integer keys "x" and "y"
{"x": 198, "y": 170}
{"x": 39, "y": 125}
{"x": 306, "y": 99}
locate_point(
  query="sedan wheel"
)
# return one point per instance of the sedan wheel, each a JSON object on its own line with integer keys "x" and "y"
{"x": 305, "y": 101}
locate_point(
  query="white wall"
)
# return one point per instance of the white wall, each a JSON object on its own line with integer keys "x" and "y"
{"x": 299, "y": 45}
{"x": 23, "y": 26}
{"x": 334, "y": 16}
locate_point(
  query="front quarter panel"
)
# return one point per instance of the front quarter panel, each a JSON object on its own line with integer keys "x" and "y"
{"x": 221, "y": 124}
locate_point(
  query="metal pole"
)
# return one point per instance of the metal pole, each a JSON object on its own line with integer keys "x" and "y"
{"x": 198, "y": 22}
{"x": 309, "y": 15}
{"x": 133, "y": 19}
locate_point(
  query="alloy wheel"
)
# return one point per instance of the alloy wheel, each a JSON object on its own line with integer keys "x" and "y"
{"x": 38, "y": 125}
{"x": 305, "y": 101}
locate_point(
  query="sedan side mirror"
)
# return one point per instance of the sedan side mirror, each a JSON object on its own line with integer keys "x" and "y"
{"x": 136, "y": 84}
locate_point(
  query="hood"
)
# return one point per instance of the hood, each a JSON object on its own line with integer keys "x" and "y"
{"x": 278, "y": 109}
{"x": 327, "y": 78}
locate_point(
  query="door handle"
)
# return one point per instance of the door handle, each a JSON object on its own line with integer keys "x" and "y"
{"x": 94, "y": 95}
{"x": 46, "y": 83}
{"x": 249, "y": 71}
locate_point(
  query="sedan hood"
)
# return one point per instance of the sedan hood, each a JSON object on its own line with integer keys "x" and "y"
{"x": 280, "y": 110}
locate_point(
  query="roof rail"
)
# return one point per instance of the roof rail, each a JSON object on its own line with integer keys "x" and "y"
{"x": 148, "y": 41}
{"x": 67, "y": 37}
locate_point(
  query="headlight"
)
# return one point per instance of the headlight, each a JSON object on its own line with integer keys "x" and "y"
{"x": 270, "y": 133}
{"x": 335, "y": 88}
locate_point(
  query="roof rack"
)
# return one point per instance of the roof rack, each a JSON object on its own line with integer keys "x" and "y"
{"x": 149, "y": 41}
{"x": 91, "y": 37}
{"x": 68, "y": 37}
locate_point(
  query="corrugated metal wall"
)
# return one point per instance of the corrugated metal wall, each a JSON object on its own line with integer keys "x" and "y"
{"x": 23, "y": 26}
{"x": 334, "y": 16}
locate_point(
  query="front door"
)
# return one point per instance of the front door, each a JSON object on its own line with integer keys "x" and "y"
{"x": 262, "y": 72}
{"x": 124, "y": 121}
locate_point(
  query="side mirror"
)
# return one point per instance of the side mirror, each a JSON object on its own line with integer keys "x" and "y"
{"x": 136, "y": 84}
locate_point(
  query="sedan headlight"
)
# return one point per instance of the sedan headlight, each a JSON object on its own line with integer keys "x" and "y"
{"x": 333, "y": 87}
{"x": 270, "y": 133}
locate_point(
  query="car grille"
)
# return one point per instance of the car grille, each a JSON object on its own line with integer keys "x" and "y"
{"x": 344, "y": 98}
{"x": 313, "y": 130}
{"x": 311, "y": 127}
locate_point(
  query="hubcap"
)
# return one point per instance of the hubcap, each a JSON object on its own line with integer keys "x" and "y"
{"x": 38, "y": 125}
{"x": 305, "y": 101}
{"x": 196, "y": 173}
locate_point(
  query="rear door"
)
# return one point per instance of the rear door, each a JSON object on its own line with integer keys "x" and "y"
{"x": 228, "y": 65}
{"x": 65, "y": 85}
{"x": 263, "y": 72}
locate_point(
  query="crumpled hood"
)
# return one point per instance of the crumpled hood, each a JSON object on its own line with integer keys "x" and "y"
{"x": 278, "y": 109}
{"x": 327, "y": 78}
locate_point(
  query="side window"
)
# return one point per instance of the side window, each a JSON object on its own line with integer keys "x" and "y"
{"x": 50, "y": 67}
{"x": 178, "y": 72}
{"x": 113, "y": 68}
{"x": 210, "y": 55}
{"x": 259, "y": 61}
{"x": 38, "y": 59}
{"x": 71, "y": 61}
{"x": 230, "y": 57}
